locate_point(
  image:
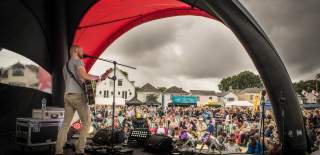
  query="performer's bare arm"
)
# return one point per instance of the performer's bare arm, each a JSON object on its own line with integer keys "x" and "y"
{"x": 83, "y": 74}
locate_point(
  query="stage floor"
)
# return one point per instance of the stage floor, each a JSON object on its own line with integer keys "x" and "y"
{"x": 8, "y": 147}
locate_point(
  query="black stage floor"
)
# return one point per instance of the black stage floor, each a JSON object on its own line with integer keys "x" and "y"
{"x": 8, "y": 147}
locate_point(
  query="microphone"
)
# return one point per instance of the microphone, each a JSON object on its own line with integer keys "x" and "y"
{"x": 88, "y": 56}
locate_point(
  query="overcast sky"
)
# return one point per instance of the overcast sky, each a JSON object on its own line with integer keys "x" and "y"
{"x": 196, "y": 52}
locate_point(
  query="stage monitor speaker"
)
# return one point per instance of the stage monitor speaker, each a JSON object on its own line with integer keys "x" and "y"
{"x": 159, "y": 143}
{"x": 103, "y": 137}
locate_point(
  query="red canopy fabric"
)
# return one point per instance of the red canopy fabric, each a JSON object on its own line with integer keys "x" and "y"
{"x": 109, "y": 19}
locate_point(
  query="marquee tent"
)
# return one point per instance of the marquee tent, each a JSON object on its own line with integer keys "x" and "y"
{"x": 239, "y": 104}
{"x": 108, "y": 101}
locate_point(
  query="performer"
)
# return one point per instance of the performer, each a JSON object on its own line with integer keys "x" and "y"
{"x": 75, "y": 99}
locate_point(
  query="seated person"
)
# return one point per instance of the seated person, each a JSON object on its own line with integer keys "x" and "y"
{"x": 254, "y": 147}
{"x": 269, "y": 131}
{"x": 222, "y": 137}
{"x": 183, "y": 134}
{"x": 161, "y": 130}
{"x": 231, "y": 145}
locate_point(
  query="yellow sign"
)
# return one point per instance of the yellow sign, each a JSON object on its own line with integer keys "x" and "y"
{"x": 256, "y": 103}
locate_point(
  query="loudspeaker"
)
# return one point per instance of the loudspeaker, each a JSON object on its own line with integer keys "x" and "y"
{"x": 103, "y": 137}
{"x": 159, "y": 143}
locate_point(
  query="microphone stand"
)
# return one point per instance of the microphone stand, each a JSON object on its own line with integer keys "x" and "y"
{"x": 263, "y": 115}
{"x": 114, "y": 78}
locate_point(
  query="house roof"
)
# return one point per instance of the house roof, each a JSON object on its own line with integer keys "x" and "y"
{"x": 221, "y": 94}
{"x": 235, "y": 91}
{"x": 175, "y": 89}
{"x": 110, "y": 73}
{"x": 203, "y": 92}
{"x": 148, "y": 88}
{"x": 33, "y": 68}
{"x": 18, "y": 65}
{"x": 251, "y": 90}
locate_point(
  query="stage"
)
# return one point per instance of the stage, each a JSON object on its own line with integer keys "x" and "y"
{"x": 8, "y": 147}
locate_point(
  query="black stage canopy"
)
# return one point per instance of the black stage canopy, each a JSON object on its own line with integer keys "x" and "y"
{"x": 42, "y": 30}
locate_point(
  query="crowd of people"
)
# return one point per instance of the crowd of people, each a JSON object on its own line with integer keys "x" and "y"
{"x": 230, "y": 130}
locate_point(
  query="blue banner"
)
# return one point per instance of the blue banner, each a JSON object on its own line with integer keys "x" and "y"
{"x": 184, "y": 100}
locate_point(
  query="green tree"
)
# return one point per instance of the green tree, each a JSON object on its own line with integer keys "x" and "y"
{"x": 242, "y": 80}
{"x": 317, "y": 80}
{"x": 162, "y": 89}
{"x": 307, "y": 85}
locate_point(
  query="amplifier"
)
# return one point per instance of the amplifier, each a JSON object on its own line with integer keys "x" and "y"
{"x": 139, "y": 136}
{"x": 48, "y": 113}
{"x": 35, "y": 132}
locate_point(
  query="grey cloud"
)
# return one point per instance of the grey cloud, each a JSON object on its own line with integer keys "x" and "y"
{"x": 198, "y": 48}
{"x": 293, "y": 26}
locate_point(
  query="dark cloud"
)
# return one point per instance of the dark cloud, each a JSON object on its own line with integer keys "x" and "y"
{"x": 293, "y": 27}
{"x": 203, "y": 49}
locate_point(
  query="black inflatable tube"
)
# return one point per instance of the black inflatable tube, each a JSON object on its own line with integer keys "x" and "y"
{"x": 275, "y": 77}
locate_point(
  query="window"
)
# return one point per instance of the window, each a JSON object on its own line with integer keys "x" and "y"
{"x": 130, "y": 93}
{"x": 100, "y": 92}
{"x": 118, "y": 93}
{"x": 210, "y": 98}
{"x": 230, "y": 99}
{"x": 107, "y": 93}
{"x": 104, "y": 94}
{"x": 111, "y": 92}
{"x": 124, "y": 94}
{"x": 120, "y": 82}
{"x": 17, "y": 72}
{"x": 251, "y": 97}
{"x": 20, "y": 84}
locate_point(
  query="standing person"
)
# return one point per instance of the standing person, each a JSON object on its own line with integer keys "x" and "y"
{"x": 75, "y": 100}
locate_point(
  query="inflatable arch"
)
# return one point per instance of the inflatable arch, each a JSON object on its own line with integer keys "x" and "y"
{"x": 106, "y": 20}
{"x": 42, "y": 30}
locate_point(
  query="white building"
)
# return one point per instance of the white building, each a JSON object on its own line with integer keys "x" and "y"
{"x": 310, "y": 97}
{"x": 125, "y": 89}
{"x": 229, "y": 97}
{"x": 148, "y": 90}
{"x": 20, "y": 75}
{"x": 172, "y": 91}
{"x": 204, "y": 96}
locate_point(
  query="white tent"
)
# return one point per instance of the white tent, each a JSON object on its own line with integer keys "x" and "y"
{"x": 108, "y": 101}
{"x": 239, "y": 104}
